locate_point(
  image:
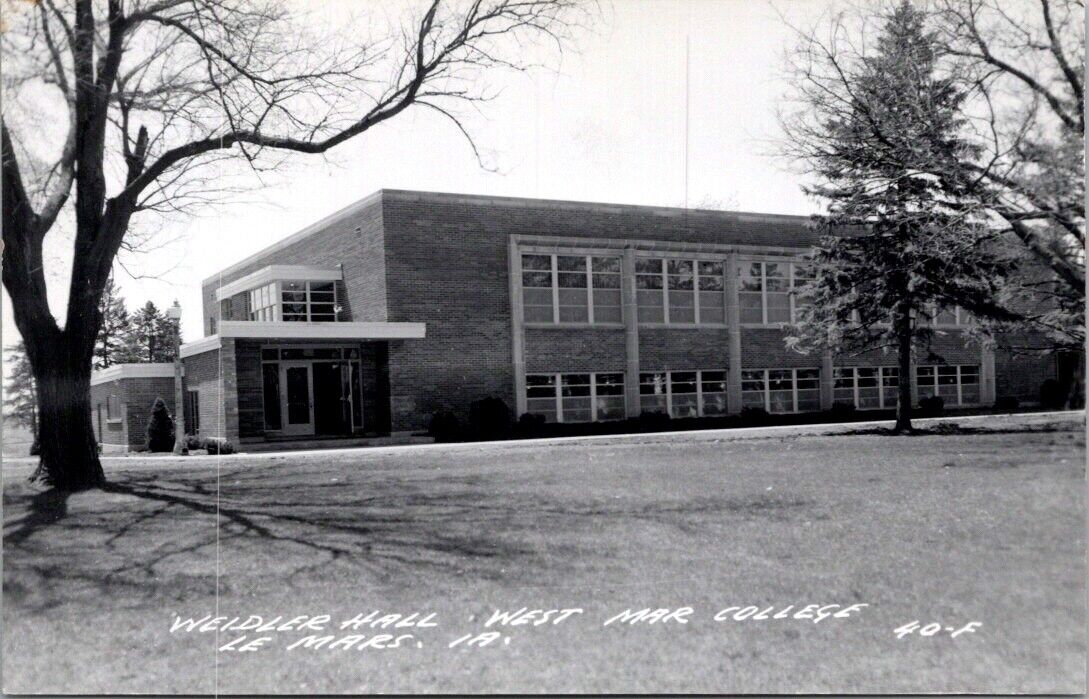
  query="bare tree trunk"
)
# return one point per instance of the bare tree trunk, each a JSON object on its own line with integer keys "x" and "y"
{"x": 904, "y": 338}
{"x": 69, "y": 450}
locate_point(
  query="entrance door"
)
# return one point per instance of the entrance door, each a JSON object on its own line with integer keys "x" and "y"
{"x": 298, "y": 405}
{"x": 332, "y": 405}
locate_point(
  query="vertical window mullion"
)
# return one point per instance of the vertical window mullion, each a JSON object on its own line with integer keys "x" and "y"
{"x": 696, "y": 292}
{"x": 559, "y": 398}
{"x": 763, "y": 293}
{"x": 555, "y": 292}
{"x": 593, "y": 397}
{"x": 589, "y": 289}
{"x": 665, "y": 290}
{"x": 790, "y": 289}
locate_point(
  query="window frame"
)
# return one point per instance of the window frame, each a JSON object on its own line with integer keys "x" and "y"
{"x": 883, "y": 403}
{"x": 791, "y": 292}
{"x": 554, "y": 272}
{"x": 978, "y": 373}
{"x": 699, "y": 381}
{"x": 276, "y": 290}
{"x": 113, "y": 408}
{"x": 192, "y": 411}
{"x": 557, "y": 377}
{"x": 695, "y": 261}
{"x": 767, "y": 387}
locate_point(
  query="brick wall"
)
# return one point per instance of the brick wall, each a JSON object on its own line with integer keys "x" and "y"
{"x": 202, "y": 375}
{"x": 446, "y": 265}
{"x": 765, "y": 348}
{"x": 570, "y": 350}
{"x": 106, "y": 431}
{"x": 665, "y": 349}
{"x": 336, "y": 241}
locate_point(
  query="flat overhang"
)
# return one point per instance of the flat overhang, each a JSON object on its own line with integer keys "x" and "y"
{"x": 158, "y": 370}
{"x": 281, "y": 330}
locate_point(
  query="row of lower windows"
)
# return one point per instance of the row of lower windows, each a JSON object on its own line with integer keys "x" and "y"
{"x": 591, "y": 397}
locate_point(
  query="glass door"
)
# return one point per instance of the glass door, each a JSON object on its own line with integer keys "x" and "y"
{"x": 298, "y": 403}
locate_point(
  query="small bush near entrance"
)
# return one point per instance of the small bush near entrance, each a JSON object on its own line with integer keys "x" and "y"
{"x": 489, "y": 418}
{"x": 931, "y": 406}
{"x": 160, "y": 428}
{"x": 1052, "y": 395}
{"x": 445, "y": 427}
{"x": 212, "y": 445}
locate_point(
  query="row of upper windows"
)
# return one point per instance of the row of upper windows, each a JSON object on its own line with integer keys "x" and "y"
{"x": 591, "y": 397}
{"x": 677, "y": 291}
{"x": 290, "y": 301}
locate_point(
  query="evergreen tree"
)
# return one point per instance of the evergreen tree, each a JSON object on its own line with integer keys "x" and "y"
{"x": 160, "y": 428}
{"x": 882, "y": 135}
{"x": 152, "y": 335}
{"x": 20, "y": 393}
{"x": 113, "y": 344}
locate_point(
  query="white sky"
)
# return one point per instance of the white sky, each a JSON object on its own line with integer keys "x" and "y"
{"x": 608, "y": 126}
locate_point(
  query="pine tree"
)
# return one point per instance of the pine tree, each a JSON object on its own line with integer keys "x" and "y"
{"x": 151, "y": 338}
{"x": 160, "y": 428}
{"x": 112, "y": 345}
{"x": 883, "y": 138}
{"x": 20, "y": 393}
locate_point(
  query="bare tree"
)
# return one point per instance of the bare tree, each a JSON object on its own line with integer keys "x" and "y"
{"x": 1026, "y": 63}
{"x": 152, "y": 95}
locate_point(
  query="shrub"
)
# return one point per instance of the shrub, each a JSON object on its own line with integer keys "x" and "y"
{"x": 217, "y": 446}
{"x": 1052, "y": 395}
{"x": 1007, "y": 403}
{"x": 842, "y": 409}
{"x": 653, "y": 421}
{"x": 192, "y": 441}
{"x": 160, "y": 428}
{"x": 931, "y": 406}
{"x": 444, "y": 426}
{"x": 489, "y": 418}
{"x": 531, "y": 424}
{"x": 754, "y": 416}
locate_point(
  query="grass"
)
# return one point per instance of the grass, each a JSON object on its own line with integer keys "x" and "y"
{"x": 980, "y": 524}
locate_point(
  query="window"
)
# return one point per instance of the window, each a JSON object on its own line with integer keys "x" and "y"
{"x": 192, "y": 412}
{"x": 866, "y": 388}
{"x": 289, "y": 301}
{"x": 768, "y": 291}
{"x": 680, "y": 291}
{"x": 576, "y": 397}
{"x": 263, "y": 302}
{"x": 683, "y": 393}
{"x": 948, "y": 317}
{"x": 956, "y": 384}
{"x": 113, "y": 408}
{"x": 571, "y": 289}
{"x": 781, "y": 390}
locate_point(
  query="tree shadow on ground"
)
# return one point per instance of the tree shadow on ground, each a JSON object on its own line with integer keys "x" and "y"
{"x": 153, "y": 537}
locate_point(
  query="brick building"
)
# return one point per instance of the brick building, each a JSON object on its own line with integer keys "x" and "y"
{"x": 407, "y": 303}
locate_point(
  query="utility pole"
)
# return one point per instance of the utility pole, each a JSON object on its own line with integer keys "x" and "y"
{"x": 174, "y": 314}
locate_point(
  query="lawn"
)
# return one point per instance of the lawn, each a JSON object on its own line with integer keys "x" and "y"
{"x": 983, "y": 524}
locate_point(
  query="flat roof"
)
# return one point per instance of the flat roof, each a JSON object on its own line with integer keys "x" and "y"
{"x": 519, "y": 202}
